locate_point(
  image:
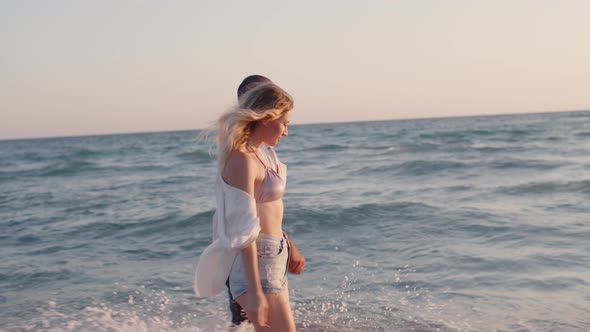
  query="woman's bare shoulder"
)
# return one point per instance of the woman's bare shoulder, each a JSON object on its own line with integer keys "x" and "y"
{"x": 240, "y": 171}
{"x": 239, "y": 160}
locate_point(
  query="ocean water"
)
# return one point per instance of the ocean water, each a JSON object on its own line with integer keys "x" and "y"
{"x": 456, "y": 224}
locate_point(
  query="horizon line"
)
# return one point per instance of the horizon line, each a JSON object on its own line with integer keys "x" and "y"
{"x": 297, "y": 124}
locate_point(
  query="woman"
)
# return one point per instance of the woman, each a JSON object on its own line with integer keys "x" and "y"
{"x": 249, "y": 245}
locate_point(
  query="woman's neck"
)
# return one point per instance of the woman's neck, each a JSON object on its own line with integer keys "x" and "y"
{"x": 254, "y": 141}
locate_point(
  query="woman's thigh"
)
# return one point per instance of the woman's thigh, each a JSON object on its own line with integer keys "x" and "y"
{"x": 280, "y": 317}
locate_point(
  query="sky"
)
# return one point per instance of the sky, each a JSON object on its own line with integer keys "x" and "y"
{"x": 111, "y": 66}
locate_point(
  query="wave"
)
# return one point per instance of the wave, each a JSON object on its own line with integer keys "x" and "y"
{"x": 144, "y": 310}
{"x": 413, "y": 168}
{"x": 329, "y": 148}
{"x": 546, "y": 187}
{"x": 67, "y": 168}
{"x": 554, "y": 139}
{"x": 551, "y": 284}
{"x": 60, "y": 168}
{"x": 143, "y": 254}
{"x": 56, "y": 169}
{"x": 168, "y": 223}
{"x": 199, "y": 156}
{"x": 467, "y": 136}
{"x": 74, "y": 154}
{"x": 380, "y": 147}
{"x": 54, "y": 249}
{"x": 489, "y": 149}
{"x": 27, "y": 240}
{"x": 423, "y": 167}
{"x": 336, "y": 217}
{"x": 417, "y": 147}
{"x": 32, "y": 157}
{"x": 457, "y": 134}
{"x": 76, "y": 167}
{"x": 39, "y": 279}
{"x": 85, "y": 153}
{"x": 524, "y": 163}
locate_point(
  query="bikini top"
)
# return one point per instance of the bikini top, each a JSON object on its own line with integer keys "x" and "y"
{"x": 272, "y": 187}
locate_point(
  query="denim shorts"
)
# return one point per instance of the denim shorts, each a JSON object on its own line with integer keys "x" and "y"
{"x": 273, "y": 257}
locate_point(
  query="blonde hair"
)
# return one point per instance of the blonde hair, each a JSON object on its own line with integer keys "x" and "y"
{"x": 264, "y": 102}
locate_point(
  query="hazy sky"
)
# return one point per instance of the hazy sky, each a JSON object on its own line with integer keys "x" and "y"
{"x": 87, "y": 67}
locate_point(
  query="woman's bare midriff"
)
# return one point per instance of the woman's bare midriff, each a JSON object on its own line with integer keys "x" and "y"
{"x": 271, "y": 217}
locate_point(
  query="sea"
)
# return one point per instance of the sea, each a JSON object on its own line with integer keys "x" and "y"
{"x": 447, "y": 224}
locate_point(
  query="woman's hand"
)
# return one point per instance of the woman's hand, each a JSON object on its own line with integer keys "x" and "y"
{"x": 257, "y": 309}
{"x": 296, "y": 261}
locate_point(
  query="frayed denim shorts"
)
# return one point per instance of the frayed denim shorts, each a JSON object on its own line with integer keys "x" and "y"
{"x": 273, "y": 257}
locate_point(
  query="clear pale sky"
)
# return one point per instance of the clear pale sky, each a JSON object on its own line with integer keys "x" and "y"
{"x": 89, "y": 67}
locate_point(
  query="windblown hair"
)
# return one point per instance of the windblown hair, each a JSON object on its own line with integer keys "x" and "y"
{"x": 264, "y": 102}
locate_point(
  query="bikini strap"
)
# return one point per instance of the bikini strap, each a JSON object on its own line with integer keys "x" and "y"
{"x": 256, "y": 154}
{"x": 272, "y": 157}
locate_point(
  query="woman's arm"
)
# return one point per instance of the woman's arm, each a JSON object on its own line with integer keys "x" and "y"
{"x": 296, "y": 259}
{"x": 240, "y": 172}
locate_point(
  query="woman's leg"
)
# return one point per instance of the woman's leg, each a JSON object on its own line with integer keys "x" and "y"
{"x": 280, "y": 317}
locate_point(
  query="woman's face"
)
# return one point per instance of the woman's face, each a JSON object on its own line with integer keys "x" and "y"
{"x": 274, "y": 130}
